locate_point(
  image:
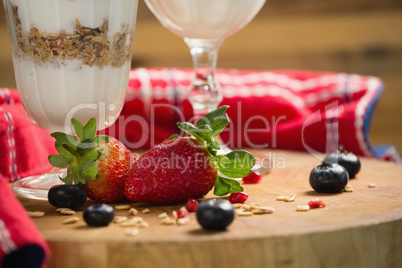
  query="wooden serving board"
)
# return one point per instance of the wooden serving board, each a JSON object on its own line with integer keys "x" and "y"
{"x": 362, "y": 228}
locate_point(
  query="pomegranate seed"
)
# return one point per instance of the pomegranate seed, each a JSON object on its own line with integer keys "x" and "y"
{"x": 239, "y": 197}
{"x": 191, "y": 205}
{"x": 254, "y": 177}
{"x": 316, "y": 203}
{"x": 182, "y": 213}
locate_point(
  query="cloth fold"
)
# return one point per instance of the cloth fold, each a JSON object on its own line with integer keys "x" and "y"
{"x": 21, "y": 244}
{"x": 317, "y": 112}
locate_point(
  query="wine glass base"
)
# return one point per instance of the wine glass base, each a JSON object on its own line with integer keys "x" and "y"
{"x": 37, "y": 187}
{"x": 261, "y": 168}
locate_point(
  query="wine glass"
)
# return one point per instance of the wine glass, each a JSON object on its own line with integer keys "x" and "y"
{"x": 71, "y": 60}
{"x": 204, "y": 25}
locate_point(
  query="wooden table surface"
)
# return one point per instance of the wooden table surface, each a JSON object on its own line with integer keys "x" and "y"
{"x": 362, "y": 228}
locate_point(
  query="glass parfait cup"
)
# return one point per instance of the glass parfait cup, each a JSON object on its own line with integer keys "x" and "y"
{"x": 71, "y": 60}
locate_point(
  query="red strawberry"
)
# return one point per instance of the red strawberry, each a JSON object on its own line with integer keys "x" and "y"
{"x": 171, "y": 172}
{"x": 113, "y": 165}
{"x": 183, "y": 168}
{"x": 99, "y": 163}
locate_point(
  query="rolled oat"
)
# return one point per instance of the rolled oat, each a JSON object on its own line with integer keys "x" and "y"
{"x": 348, "y": 188}
{"x": 303, "y": 208}
{"x": 122, "y": 207}
{"x": 36, "y": 214}
{"x": 71, "y": 220}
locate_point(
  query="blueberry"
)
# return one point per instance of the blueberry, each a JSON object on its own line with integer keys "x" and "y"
{"x": 98, "y": 215}
{"x": 215, "y": 214}
{"x": 329, "y": 178}
{"x": 348, "y": 160}
{"x": 67, "y": 196}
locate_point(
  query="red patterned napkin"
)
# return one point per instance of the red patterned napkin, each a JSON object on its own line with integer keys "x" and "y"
{"x": 295, "y": 110}
{"x": 21, "y": 244}
{"x": 24, "y": 146}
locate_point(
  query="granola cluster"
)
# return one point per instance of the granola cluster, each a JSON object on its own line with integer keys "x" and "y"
{"x": 91, "y": 45}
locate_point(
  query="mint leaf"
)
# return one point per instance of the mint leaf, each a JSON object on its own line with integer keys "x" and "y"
{"x": 64, "y": 138}
{"x": 221, "y": 160}
{"x": 201, "y": 134}
{"x": 79, "y": 128}
{"x": 217, "y": 120}
{"x": 225, "y": 186}
{"x": 221, "y": 187}
{"x": 237, "y": 165}
{"x": 99, "y": 139}
{"x": 234, "y": 185}
{"x": 174, "y": 136}
{"x": 57, "y": 160}
{"x": 215, "y": 145}
{"x": 62, "y": 151}
{"x": 191, "y": 129}
{"x": 206, "y": 133}
{"x": 89, "y": 130}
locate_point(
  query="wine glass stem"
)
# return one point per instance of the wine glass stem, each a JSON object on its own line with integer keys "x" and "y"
{"x": 204, "y": 93}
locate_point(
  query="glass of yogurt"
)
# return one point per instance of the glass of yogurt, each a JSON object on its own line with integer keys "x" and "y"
{"x": 71, "y": 60}
{"x": 204, "y": 25}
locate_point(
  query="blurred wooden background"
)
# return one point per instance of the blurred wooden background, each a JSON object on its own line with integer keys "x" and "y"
{"x": 352, "y": 36}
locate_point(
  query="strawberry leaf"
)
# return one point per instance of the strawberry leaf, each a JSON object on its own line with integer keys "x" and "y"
{"x": 62, "y": 151}
{"x": 99, "y": 139}
{"x": 88, "y": 170}
{"x": 237, "y": 165}
{"x": 60, "y": 161}
{"x": 80, "y": 155}
{"x": 64, "y": 138}
{"x": 91, "y": 156}
{"x": 89, "y": 130}
{"x": 78, "y": 178}
{"x": 85, "y": 145}
{"x": 79, "y": 128}
{"x": 72, "y": 151}
{"x": 68, "y": 179}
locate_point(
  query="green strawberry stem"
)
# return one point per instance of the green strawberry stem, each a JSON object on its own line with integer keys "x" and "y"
{"x": 236, "y": 164}
{"x": 78, "y": 154}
